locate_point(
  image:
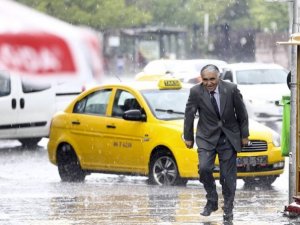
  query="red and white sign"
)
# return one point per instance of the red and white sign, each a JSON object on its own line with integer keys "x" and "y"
{"x": 35, "y": 53}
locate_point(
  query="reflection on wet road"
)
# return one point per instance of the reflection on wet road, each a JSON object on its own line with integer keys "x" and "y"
{"x": 31, "y": 193}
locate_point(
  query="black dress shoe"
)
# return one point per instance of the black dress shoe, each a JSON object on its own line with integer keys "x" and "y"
{"x": 209, "y": 208}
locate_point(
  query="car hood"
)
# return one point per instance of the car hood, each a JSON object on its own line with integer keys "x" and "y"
{"x": 176, "y": 123}
{"x": 264, "y": 91}
{"x": 257, "y": 126}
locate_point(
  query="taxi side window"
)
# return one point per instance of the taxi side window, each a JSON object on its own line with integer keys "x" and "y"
{"x": 124, "y": 101}
{"x": 5, "y": 87}
{"x": 95, "y": 103}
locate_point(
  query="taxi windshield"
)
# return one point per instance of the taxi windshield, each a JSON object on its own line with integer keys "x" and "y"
{"x": 167, "y": 104}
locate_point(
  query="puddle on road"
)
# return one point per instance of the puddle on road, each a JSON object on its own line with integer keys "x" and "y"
{"x": 31, "y": 193}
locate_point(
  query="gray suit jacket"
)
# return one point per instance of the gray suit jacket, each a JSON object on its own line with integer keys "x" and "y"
{"x": 234, "y": 116}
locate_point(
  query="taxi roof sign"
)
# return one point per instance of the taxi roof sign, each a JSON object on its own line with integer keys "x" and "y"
{"x": 169, "y": 84}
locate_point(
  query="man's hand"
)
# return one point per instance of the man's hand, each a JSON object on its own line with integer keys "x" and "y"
{"x": 189, "y": 144}
{"x": 245, "y": 141}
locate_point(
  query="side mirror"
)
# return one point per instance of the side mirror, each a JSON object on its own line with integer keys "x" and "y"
{"x": 134, "y": 115}
{"x": 288, "y": 80}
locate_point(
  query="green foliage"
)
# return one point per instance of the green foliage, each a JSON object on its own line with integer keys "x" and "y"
{"x": 101, "y": 15}
{"x": 237, "y": 15}
{"x": 271, "y": 16}
{"x": 182, "y": 12}
{"x": 107, "y": 14}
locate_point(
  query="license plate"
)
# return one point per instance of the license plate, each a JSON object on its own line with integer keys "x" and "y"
{"x": 251, "y": 161}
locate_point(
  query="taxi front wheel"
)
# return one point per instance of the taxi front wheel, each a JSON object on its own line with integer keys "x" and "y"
{"x": 68, "y": 165}
{"x": 164, "y": 170}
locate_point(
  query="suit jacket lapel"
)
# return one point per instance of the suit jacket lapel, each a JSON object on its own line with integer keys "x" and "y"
{"x": 222, "y": 97}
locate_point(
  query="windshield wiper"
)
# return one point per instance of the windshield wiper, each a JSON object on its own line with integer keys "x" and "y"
{"x": 170, "y": 111}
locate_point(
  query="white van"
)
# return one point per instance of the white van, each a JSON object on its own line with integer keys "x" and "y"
{"x": 26, "y": 109}
{"x": 28, "y": 104}
{"x": 262, "y": 86}
{"x": 44, "y": 63}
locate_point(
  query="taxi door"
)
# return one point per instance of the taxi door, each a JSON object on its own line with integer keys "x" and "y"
{"x": 125, "y": 138}
{"x": 87, "y": 128}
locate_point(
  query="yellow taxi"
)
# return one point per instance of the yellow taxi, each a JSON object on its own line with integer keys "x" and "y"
{"x": 137, "y": 129}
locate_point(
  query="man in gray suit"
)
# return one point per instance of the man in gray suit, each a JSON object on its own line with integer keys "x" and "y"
{"x": 222, "y": 130}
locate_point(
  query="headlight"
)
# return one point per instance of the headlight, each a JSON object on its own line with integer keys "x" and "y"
{"x": 275, "y": 138}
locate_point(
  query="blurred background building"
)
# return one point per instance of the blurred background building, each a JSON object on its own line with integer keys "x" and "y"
{"x": 134, "y": 32}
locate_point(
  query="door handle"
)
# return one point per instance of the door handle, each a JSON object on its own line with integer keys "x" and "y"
{"x": 13, "y": 103}
{"x": 22, "y": 103}
{"x": 111, "y": 126}
{"x": 76, "y": 122}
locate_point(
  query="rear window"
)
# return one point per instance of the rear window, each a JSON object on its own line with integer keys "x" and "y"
{"x": 261, "y": 76}
{"x": 95, "y": 103}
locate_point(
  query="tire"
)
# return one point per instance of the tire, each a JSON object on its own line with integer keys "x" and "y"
{"x": 69, "y": 168}
{"x": 164, "y": 171}
{"x": 29, "y": 142}
{"x": 260, "y": 181}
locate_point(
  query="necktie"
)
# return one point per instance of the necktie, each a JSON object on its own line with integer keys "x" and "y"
{"x": 214, "y": 103}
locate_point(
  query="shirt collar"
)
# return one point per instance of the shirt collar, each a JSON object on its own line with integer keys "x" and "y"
{"x": 216, "y": 90}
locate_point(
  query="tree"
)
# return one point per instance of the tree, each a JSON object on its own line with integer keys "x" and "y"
{"x": 276, "y": 18}
{"x": 243, "y": 17}
{"x": 97, "y": 14}
{"x": 107, "y": 14}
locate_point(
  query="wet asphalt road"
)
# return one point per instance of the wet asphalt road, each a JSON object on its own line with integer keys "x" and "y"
{"x": 31, "y": 193}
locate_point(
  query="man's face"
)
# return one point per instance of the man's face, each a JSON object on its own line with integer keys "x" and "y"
{"x": 210, "y": 79}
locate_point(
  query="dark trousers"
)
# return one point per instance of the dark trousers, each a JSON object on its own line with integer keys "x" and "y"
{"x": 228, "y": 171}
